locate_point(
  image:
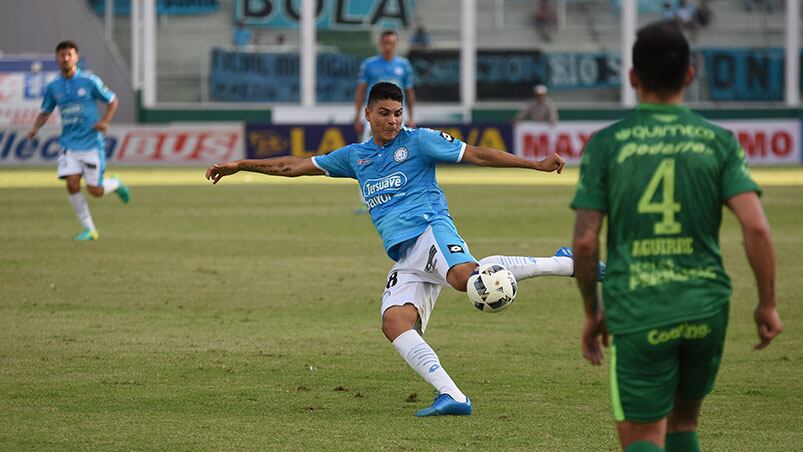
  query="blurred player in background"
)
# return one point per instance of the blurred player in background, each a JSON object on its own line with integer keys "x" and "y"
{"x": 396, "y": 172}
{"x": 384, "y": 67}
{"x": 662, "y": 175}
{"x": 82, "y": 152}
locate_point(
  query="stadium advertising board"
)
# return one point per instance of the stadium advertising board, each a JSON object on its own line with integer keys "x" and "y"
{"x": 305, "y": 140}
{"x": 172, "y": 7}
{"x": 510, "y": 75}
{"x": 22, "y": 85}
{"x": 275, "y": 77}
{"x": 134, "y": 145}
{"x": 329, "y": 14}
{"x": 766, "y": 142}
{"x": 746, "y": 74}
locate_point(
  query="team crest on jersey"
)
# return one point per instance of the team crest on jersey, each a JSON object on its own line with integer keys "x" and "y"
{"x": 398, "y": 71}
{"x": 400, "y": 154}
{"x": 81, "y": 92}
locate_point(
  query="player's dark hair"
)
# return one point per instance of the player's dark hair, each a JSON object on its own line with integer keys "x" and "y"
{"x": 388, "y": 33}
{"x": 384, "y": 91}
{"x": 67, "y": 45}
{"x": 661, "y": 57}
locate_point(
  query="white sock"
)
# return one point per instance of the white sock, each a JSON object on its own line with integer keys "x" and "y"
{"x": 420, "y": 356}
{"x": 110, "y": 184}
{"x": 524, "y": 267}
{"x": 81, "y": 209}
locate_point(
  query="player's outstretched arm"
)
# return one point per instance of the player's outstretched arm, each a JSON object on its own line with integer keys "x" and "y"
{"x": 40, "y": 120}
{"x": 288, "y": 166}
{"x": 501, "y": 159}
{"x": 586, "y": 255}
{"x": 760, "y": 253}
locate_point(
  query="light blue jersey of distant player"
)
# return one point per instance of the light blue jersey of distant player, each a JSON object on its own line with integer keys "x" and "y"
{"x": 77, "y": 98}
{"x": 397, "y": 180}
{"x": 377, "y": 69}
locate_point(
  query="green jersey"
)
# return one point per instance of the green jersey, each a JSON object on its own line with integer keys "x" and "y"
{"x": 662, "y": 174}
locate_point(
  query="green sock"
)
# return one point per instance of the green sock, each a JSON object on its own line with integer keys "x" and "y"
{"x": 643, "y": 446}
{"x": 682, "y": 442}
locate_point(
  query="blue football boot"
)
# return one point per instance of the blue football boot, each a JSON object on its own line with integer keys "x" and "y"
{"x": 87, "y": 235}
{"x": 566, "y": 251}
{"x": 445, "y": 405}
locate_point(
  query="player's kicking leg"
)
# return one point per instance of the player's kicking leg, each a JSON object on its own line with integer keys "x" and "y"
{"x": 525, "y": 267}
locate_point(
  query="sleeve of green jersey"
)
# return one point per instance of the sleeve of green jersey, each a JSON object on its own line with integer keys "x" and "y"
{"x": 736, "y": 177}
{"x": 591, "y": 188}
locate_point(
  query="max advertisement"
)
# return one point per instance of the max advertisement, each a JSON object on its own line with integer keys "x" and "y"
{"x": 132, "y": 145}
{"x": 766, "y": 142}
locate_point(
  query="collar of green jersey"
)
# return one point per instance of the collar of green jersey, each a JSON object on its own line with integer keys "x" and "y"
{"x": 662, "y": 107}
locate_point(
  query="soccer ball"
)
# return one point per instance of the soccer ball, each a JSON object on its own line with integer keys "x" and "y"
{"x": 491, "y": 288}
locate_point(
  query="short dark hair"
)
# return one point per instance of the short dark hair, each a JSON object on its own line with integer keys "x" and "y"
{"x": 67, "y": 45}
{"x": 661, "y": 57}
{"x": 388, "y": 33}
{"x": 384, "y": 91}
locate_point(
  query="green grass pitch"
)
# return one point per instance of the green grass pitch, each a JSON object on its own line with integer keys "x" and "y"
{"x": 246, "y": 316}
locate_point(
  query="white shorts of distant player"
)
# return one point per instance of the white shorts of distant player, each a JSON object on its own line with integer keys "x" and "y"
{"x": 89, "y": 164}
{"x": 420, "y": 273}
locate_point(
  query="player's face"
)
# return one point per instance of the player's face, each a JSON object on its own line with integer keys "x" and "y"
{"x": 387, "y": 45}
{"x": 67, "y": 59}
{"x": 385, "y": 117}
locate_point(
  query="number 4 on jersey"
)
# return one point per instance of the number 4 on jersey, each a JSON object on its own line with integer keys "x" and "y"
{"x": 667, "y": 206}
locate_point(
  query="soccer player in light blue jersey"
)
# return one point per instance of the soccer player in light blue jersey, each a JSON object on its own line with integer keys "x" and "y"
{"x": 82, "y": 152}
{"x": 396, "y": 173}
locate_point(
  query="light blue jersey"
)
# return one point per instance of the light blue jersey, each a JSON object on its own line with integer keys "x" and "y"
{"x": 377, "y": 69}
{"x": 77, "y": 98}
{"x": 397, "y": 181}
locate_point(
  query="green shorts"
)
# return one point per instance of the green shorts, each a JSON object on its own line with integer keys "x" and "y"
{"x": 649, "y": 368}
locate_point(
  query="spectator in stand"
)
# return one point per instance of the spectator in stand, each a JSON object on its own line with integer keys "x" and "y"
{"x": 541, "y": 109}
{"x": 704, "y": 14}
{"x": 242, "y": 36}
{"x": 750, "y": 4}
{"x": 667, "y": 13}
{"x": 546, "y": 19}
{"x": 420, "y": 38}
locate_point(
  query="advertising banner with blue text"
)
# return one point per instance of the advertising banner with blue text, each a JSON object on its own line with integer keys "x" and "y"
{"x": 329, "y": 14}
{"x": 132, "y": 145}
{"x": 23, "y": 81}
{"x": 275, "y": 77}
{"x": 511, "y": 74}
{"x": 172, "y": 7}
{"x": 766, "y": 142}
{"x": 746, "y": 74}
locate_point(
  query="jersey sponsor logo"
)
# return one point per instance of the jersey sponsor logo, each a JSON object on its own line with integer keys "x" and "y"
{"x": 668, "y": 131}
{"x": 400, "y": 154}
{"x": 391, "y": 183}
{"x": 447, "y": 137}
{"x": 685, "y": 331}
{"x": 455, "y": 249}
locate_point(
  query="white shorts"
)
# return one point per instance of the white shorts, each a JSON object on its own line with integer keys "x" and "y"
{"x": 88, "y": 164}
{"x": 419, "y": 275}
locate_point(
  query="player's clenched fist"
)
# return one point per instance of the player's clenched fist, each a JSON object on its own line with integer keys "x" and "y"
{"x": 218, "y": 170}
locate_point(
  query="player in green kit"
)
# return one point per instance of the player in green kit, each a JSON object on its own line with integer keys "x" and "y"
{"x": 662, "y": 175}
